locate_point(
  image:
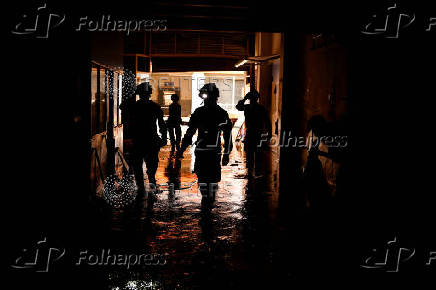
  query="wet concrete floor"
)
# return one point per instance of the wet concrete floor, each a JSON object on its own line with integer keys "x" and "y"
{"x": 239, "y": 243}
{"x": 204, "y": 249}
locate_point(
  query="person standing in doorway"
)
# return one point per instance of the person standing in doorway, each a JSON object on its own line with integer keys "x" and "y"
{"x": 257, "y": 124}
{"x": 173, "y": 123}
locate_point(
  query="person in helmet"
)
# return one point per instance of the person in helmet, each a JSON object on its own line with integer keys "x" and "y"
{"x": 173, "y": 123}
{"x": 210, "y": 120}
{"x": 146, "y": 141}
{"x": 257, "y": 124}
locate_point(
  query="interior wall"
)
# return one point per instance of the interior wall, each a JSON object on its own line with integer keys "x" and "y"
{"x": 291, "y": 118}
{"x": 326, "y": 79}
{"x": 326, "y": 87}
{"x": 315, "y": 82}
{"x": 268, "y": 77}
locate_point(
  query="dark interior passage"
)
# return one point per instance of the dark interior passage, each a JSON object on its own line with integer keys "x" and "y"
{"x": 309, "y": 212}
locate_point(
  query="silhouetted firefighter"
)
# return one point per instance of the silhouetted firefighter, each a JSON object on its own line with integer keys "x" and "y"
{"x": 210, "y": 120}
{"x": 173, "y": 123}
{"x": 258, "y": 126}
{"x": 145, "y": 139}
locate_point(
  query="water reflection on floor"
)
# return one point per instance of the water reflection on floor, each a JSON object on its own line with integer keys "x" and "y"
{"x": 223, "y": 248}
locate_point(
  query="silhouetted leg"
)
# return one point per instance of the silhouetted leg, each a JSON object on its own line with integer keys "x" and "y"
{"x": 213, "y": 188}
{"x": 174, "y": 174}
{"x": 177, "y": 166}
{"x": 208, "y": 170}
{"x": 152, "y": 161}
{"x": 178, "y": 136}
{"x": 172, "y": 138}
{"x": 249, "y": 158}
{"x": 208, "y": 191}
{"x": 202, "y": 186}
{"x": 137, "y": 161}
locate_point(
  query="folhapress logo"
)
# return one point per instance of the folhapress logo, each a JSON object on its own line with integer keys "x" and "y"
{"x": 389, "y": 23}
{"x": 39, "y": 23}
{"x": 38, "y": 258}
{"x": 393, "y": 255}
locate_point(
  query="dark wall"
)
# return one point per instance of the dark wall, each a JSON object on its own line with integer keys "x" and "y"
{"x": 389, "y": 83}
{"x": 107, "y": 48}
{"x": 47, "y": 128}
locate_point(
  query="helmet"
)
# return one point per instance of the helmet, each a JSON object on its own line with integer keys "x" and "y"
{"x": 144, "y": 89}
{"x": 209, "y": 90}
{"x": 253, "y": 94}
